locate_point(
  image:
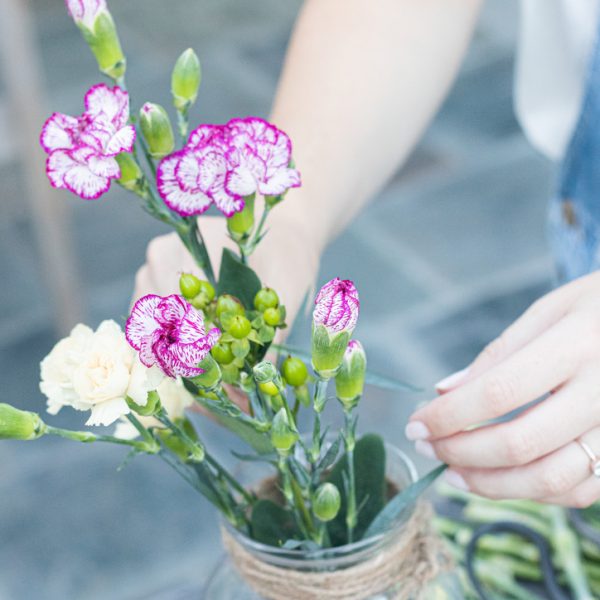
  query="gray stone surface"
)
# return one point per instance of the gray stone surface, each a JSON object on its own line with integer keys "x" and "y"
{"x": 449, "y": 253}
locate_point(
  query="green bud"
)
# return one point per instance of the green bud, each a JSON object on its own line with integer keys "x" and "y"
{"x": 18, "y": 424}
{"x": 328, "y": 350}
{"x": 131, "y": 174}
{"x": 266, "y": 371}
{"x": 350, "y": 379}
{"x": 151, "y": 407}
{"x": 294, "y": 371}
{"x": 272, "y": 316}
{"x": 222, "y": 353}
{"x": 326, "y": 502}
{"x": 283, "y": 437}
{"x": 269, "y": 388}
{"x": 239, "y": 327}
{"x": 266, "y": 298}
{"x": 185, "y": 80}
{"x": 212, "y": 375}
{"x": 229, "y": 304}
{"x": 157, "y": 130}
{"x": 189, "y": 285}
{"x": 104, "y": 44}
{"x": 240, "y": 224}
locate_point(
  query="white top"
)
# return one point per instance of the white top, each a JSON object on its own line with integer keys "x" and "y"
{"x": 555, "y": 43}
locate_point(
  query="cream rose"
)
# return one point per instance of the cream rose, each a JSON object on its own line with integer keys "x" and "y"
{"x": 96, "y": 371}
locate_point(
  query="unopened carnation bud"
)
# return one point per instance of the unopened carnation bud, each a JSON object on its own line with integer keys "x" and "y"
{"x": 265, "y": 372}
{"x": 157, "y": 130}
{"x": 212, "y": 376}
{"x": 185, "y": 80}
{"x": 326, "y": 502}
{"x": 334, "y": 319}
{"x": 350, "y": 379}
{"x": 229, "y": 304}
{"x": 18, "y": 424}
{"x": 266, "y": 298}
{"x": 294, "y": 371}
{"x": 240, "y": 224}
{"x": 283, "y": 436}
{"x": 99, "y": 31}
{"x": 131, "y": 174}
{"x": 189, "y": 285}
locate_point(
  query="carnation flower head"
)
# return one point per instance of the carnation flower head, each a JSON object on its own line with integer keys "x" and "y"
{"x": 337, "y": 306}
{"x": 170, "y": 333}
{"x": 81, "y": 150}
{"x": 221, "y": 164}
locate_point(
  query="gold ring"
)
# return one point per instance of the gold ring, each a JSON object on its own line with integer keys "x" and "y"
{"x": 594, "y": 460}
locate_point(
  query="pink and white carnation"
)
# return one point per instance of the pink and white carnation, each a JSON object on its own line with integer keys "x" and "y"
{"x": 81, "y": 150}
{"x": 85, "y": 12}
{"x": 221, "y": 164}
{"x": 337, "y": 306}
{"x": 170, "y": 333}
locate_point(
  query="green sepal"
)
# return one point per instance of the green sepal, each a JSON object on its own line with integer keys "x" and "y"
{"x": 237, "y": 279}
{"x": 151, "y": 406}
{"x": 328, "y": 350}
{"x": 104, "y": 44}
{"x": 226, "y": 338}
{"x": 253, "y": 337}
{"x": 266, "y": 334}
{"x": 271, "y": 524}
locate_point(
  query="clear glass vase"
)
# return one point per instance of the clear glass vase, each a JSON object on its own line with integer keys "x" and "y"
{"x": 226, "y": 583}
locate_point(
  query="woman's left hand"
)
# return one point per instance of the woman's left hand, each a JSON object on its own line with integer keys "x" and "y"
{"x": 554, "y": 348}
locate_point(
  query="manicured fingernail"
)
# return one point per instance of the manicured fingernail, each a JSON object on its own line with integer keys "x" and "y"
{"x": 451, "y": 381}
{"x": 456, "y": 480}
{"x": 416, "y": 430}
{"x": 425, "y": 449}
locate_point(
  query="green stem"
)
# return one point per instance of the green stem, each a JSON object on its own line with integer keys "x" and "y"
{"x": 350, "y": 442}
{"x": 146, "y": 152}
{"x": 194, "y": 447}
{"x": 190, "y": 235}
{"x": 183, "y": 124}
{"x": 247, "y": 249}
{"x": 319, "y": 400}
{"x": 235, "y": 411}
{"x": 249, "y": 498}
{"x": 87, "y": 438}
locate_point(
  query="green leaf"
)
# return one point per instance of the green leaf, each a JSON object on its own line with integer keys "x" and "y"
{"x": 369, "y": 469}
{"x": 240, "y": 348}
{"x": 399, "y": 503}
{"x": 266, "y": 334}
{"x": 377, "y": 379}
{"x": 271, "y": 524}
{"x": 237, "y": 279}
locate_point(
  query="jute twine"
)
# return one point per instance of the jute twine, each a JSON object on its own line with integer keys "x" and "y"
{"x": 402, "y": 568}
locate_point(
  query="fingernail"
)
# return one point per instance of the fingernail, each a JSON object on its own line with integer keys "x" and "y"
{"x": 416, "y": 430}
{"x": 425, "y": 449}
{"x": 451, "y": 381}
{"x": 456, "y": 480}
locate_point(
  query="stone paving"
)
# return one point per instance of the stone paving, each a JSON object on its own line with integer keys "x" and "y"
{"x": 447, "y": 256}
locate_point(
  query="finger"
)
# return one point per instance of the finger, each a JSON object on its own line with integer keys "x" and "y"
{"x": 553, "y": 475}
{"x": 542, "y": 429}
{"x": 539, "y": 367}
{"x": 540, "y": 316}
{"x": 583, "y": 496}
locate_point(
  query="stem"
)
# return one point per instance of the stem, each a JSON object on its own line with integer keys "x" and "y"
{"x": 149, "y": 159}
{"x": 350, "y": 442}
{"x": 248, "y": 248}
{"x": 183, "y": 124}
{"x": 234, "y": 410}
{"x": 88, "y": 438}
{"x": 195, "y": 448}
{"x": 318, "y": 405}
{"x": 249, "y": 498}
{"x": 192, "y": 239}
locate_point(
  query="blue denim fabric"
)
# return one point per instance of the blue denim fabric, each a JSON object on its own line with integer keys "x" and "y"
{"x": 574, "y": 219}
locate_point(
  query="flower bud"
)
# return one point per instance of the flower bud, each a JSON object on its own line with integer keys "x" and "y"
{"x": 239, "y": 327}
{"x": 157, "y": 130}
{"x": 212, "y": 376}
{"x": 334, "y": 319}
{"x": 18, "y": 424}
{"x": 189, "y": 285}
{"x": 99, "y": 31}
{"x": 294, "y": 371}
{"x": 326, "y": 502}
{"x": 283, "y": 437}
{"x": 240, "y": 224}
{"x": 131, "y": 175}
{"x": 265, "y": 372}
{"x": 229, "y": 304}
{"x": 222, "y": 353}
{"x": 266, "y": 298}
{"x": 269, "y": 388}
{"x": 185, "y": 80}
{"x": 350, "y": 379}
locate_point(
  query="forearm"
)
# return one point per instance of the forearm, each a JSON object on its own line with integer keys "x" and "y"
{"x": 361, "y": 81}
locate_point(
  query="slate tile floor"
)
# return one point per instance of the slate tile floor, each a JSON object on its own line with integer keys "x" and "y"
{"x": 448, "y": 255}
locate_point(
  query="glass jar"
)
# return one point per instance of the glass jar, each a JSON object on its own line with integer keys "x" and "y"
{"x": 226, "y": 583}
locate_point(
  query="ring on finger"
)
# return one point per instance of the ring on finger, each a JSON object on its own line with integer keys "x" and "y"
{"x": 594, "y": 460}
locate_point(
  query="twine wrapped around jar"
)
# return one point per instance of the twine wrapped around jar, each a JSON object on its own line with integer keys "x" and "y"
{"x": 401, "y": 569}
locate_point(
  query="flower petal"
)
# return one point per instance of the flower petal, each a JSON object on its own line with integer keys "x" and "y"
{"x": 104, "y": 166}
{"x": 191, "y": 328}
{"x": 279, "y": 182}
{"x": 171, "y": 310}
{"x": 59, "y": 132}
{"x": 142, "y": 322}
{"x": 106, "y": 413}
{"x": 57, "y": 165}
{"x": 122, "y": 141}
{"x": 112, "y": 103}
{"x": 80, "y": 180}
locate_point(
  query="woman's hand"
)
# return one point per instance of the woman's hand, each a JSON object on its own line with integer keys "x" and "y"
{"x": 554, "y": 349}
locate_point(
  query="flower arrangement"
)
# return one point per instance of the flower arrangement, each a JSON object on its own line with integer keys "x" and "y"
{"x": 211, "y": 340}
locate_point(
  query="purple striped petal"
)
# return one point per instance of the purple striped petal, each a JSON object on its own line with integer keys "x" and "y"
{"x": 337, "y": 306}
{"x": 142, "y": 322}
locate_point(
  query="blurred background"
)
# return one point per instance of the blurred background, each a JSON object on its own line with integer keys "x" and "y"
{"x": 461, "y": 228}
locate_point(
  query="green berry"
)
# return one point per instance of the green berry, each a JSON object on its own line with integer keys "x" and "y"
{"x": 230, "y": 304}
{"x": 189, "y": 285}
{"x": 222, "y": 353}
{"x": 294, "y": 371}
{"x": 269, "y": 388}
{"x": 239, "y": 327}
{"x": 266, "y": 298}
{"x": 272, "y": 316}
